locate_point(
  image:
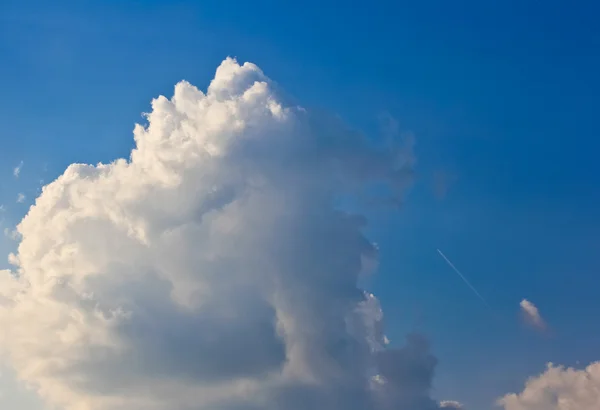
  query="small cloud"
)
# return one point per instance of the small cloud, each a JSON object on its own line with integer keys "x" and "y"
{"x": 21, "y": 198}
{"x": 532, "y": 315}
{"x": 13, "y": 259}
{"x": 451, "y": 404}
{"x": 17, "y": 169}
{"x": 2, "y": 208}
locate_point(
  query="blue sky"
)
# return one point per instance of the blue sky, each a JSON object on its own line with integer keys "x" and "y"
{"x": 502, "y": 100}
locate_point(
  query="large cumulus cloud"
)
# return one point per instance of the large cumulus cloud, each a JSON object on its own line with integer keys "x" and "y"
{"x": 211, "y": 269}
{"x": 558, "y": 388}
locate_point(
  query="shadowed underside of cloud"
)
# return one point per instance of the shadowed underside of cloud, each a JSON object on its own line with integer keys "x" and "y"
{"x": 211, "y": 269}
{"x": 558, "y": 388}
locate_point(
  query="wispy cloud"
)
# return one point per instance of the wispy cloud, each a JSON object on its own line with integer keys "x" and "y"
{"x": 20, "y": 198}
{"x": 11, "y": 234}
{"x": 532, "y": 315}
{"x": 17, "y": 169}
{"x": 441, "y": 182}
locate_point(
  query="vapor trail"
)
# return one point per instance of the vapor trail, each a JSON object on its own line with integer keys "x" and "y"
{"x": 462, "y": 277}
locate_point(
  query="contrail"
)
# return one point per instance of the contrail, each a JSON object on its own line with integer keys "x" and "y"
{"x": 462, "y": 277}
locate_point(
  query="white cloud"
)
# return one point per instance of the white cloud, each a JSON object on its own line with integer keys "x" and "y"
{"x": 211, "y": 270}
{"x": 532, "y": 315}
{"x": 20, "y": 198}
{"x": 17, "y": 169}
{"x": 558, "y": 388}
{"x": 2, "y": 208}
{"x": 451, "y": 404}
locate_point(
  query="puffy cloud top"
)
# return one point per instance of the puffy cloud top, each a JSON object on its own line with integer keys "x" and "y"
{"x": 211, "y": 270}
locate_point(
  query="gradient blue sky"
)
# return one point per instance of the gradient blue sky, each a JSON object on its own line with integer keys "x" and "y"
{"x": 502, "y": 100}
